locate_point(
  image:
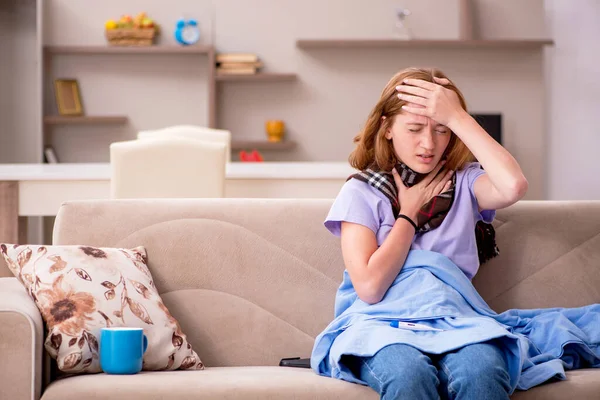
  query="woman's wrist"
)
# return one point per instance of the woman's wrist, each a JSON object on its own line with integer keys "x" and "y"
{"x": 458, "y": 120}
{"x": 413, "y": 215}
{"x": 408, "y": 220}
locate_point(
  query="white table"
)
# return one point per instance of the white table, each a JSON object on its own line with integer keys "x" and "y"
{"x": 39, "y": 189}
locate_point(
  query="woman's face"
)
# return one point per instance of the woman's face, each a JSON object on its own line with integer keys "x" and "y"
{"x": 419, "y": 141}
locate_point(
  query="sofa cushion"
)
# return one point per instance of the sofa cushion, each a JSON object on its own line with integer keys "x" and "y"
{"x": 213, "y": 383}
{"x": 580, "y": 384}
{"x": 80, "y": 290}
{"x": 267, "y": 383}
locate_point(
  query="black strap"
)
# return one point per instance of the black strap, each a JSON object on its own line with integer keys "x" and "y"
{"x": 409, "y": 220}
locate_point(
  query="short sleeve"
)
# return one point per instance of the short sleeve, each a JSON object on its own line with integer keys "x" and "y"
{"x": 472, "y": 172}
{"x": 354, "y": 203}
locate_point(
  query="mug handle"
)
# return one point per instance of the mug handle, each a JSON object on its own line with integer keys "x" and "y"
{"x": 145, "y": 344}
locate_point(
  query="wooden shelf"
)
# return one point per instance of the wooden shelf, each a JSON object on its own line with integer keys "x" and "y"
{"x": 84, "y": 120}
{"x": 261, "y": 145}
{"x": 259, "y": 77}
{"x": 128, "y": 49}
{"x": 422, "y": 44}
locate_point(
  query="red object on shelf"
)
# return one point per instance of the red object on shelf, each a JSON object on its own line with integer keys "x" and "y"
{"x": 253, "y": 156}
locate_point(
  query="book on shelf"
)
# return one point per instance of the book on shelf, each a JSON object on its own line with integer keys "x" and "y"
{"x": 236, "y": 58}
{"x": 50, "y": 155}
{"x": 237, "y": 71}
{"x": 236, "y": 65}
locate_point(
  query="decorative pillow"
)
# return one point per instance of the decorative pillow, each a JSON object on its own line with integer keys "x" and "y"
{"x": 80, "y": 290}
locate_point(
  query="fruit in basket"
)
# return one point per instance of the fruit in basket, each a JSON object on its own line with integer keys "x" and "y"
{"x": 110, "y": 24}
{"x": 139, "y": 19}
{"x": 125, "y": 22}
{"x": 140, "y": 30}
{"x": 147, "y": 23}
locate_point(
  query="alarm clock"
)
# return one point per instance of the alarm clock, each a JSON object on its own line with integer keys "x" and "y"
{"x": 187, "y": 32}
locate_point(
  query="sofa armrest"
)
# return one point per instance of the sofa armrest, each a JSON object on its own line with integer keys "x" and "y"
{"x": 21, "y": 343}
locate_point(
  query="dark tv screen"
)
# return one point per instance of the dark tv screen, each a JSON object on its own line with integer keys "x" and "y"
{"x": 492, "y": 123}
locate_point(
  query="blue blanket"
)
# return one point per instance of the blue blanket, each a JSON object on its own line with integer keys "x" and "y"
{"x": 433, "y": 293}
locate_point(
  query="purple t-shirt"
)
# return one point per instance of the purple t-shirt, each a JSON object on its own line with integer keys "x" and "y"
{"x": 363, "y": 204}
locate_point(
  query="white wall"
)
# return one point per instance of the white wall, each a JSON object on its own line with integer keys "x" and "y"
{"x": 336, "y": 88}
{"x": 573, "y": 106}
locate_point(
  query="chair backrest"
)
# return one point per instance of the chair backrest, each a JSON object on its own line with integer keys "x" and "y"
{"x": 192, "y": 132}
{"x": 167, "y": 168}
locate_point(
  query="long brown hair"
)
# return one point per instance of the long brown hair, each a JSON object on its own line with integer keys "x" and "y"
{"x": 374, "y": 150}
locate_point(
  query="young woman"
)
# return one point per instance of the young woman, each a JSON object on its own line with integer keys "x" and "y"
{"x": 418, "y": 189}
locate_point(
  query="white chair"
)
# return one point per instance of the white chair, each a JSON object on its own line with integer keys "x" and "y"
{"x": 192, "y": 132}
{"x": 167, "y": 168}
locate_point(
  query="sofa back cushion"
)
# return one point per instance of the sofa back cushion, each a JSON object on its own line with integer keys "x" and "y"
{"x": 253, "y": 280}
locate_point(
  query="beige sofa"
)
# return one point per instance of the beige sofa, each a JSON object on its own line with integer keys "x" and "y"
{"x": 253, "y": 281}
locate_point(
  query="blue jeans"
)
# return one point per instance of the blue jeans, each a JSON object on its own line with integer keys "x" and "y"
{"x": 399, "y": 371}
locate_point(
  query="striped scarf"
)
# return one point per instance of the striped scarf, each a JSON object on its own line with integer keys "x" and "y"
{"x": 432, "y": 214}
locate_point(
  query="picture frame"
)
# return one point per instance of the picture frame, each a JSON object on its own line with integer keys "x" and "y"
{"x": 68, "y": 97}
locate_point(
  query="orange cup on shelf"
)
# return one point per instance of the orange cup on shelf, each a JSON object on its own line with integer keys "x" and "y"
{"x": 275, "y": 130}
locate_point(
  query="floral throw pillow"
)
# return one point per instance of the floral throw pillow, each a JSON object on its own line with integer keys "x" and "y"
{"x": 80, "y": 290}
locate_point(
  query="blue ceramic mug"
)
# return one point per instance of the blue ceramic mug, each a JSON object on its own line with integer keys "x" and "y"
{"x": 122, "y": 350}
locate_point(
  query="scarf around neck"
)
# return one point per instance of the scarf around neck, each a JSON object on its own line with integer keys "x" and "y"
{"x": 432, "y": 214}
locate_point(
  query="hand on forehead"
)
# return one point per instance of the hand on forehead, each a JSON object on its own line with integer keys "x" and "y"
{"x": 409, "y": 118}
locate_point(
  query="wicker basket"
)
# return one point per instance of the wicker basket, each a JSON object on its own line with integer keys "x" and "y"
{"x": 131, "y": 36}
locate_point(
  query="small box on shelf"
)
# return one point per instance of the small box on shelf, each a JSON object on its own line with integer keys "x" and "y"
{"x": 253, "y": 156}
{"x": 238, "y": 64}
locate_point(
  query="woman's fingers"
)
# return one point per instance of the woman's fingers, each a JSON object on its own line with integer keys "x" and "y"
{"x": 417, "y": 91}
{"x": 399, "y": 183}
{"x": 415, "y": 110}
{"x": 412, "y": 99}
{"x": 444, "y": 176}
{"x": 441, "y": 81}
{"x": 444, "y": 188}
{"x": 443, "y": 183}
{"x": 420, "y": 83}
{"x": 447, "y": 186}
{"x": 431, "y": 176}
{"x": 439, "y": 181}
